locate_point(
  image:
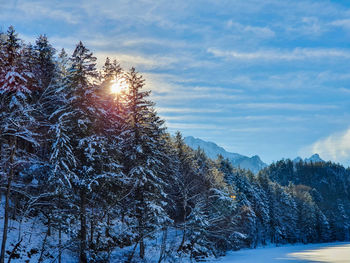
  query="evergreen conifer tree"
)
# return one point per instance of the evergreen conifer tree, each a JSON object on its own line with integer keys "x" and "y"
{"x": 143, "y": 157}
{"x": 17, "y": 124}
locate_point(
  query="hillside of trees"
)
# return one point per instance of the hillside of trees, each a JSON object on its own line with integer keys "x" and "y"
{"x": 97, "y": 176}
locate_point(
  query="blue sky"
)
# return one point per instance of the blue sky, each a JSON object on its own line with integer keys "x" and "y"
{"x": 257, "y": 77}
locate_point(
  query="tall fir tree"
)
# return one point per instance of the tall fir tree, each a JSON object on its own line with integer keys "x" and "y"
{"x": 80, "y": 114}
{"x": 143, "y": 157}
{"x": 17, "y": 124}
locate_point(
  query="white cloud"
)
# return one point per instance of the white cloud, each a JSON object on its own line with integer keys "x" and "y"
{"x": 345, "y": 23}
{"x": 284, "y": 106}
{"x": 264, "y": 32}
{"x": 193, "y": 126}
{"x": 309, "y": 27}
{"x": 163, "y": 42}
{"x": 186, "y": 110}
{"x": 335, "y": 147}
{"x": 271, "y": 54}
{"x": 33, "y": 10}
{"x": 344, "y": 90}
{"x": 140, "y": 61}
{"x": 145, "y": 12}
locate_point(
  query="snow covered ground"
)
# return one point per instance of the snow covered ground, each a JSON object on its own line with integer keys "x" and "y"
{"x": 299, "y": 253}
{"x": 322, "y": 253}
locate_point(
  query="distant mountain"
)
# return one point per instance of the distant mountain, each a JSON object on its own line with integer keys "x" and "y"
{"x": 314, "y": 158}
{"x": 212, "y": 150}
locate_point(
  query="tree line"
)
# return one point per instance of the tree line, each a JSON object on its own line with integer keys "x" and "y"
{"x": 101, "y": 174}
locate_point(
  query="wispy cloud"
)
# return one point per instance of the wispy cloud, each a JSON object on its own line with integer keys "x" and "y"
{"x": 258, "y": 66}
{"x": 307, "y": 27}
{"x": 193, "y": 126}
{"x": 345, "y": 23}
{"x": 140, "y": 61}
{"x": 335, "y": 147}
{"x": 186, "y": 110}
{"x": 36, "y": 10}
{"x": 264, "y": 129}
{"x": 295, "y": 54}
{"x": 264, "y": 32}
{"x": 161, "y": 13}
{"x": 139, "y": 42}
{"x": 284, "y": 106}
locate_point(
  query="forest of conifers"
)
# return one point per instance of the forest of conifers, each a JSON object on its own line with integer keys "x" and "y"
{"x": 98, "y": 178}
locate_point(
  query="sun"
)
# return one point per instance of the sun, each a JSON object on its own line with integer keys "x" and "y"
{"x": 118, "y": 85}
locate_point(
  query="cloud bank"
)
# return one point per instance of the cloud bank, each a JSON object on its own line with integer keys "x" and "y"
{"x": 260, "y": 77}
{"x": 335, "y": 147}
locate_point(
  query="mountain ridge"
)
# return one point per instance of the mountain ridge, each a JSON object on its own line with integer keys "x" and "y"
{"x": 315, "y": 158}
{"x": 254, "y": 163}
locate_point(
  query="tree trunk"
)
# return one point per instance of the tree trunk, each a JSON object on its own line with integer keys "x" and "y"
{"x": 44, "y": 243}
{"x": 108, "y": 225}
{"x": 132, "y": 253}
{"x": 184, "y": 222}
{"x": 82, "y": 258}
{"x": 7, "y": 203}
{"x": 163, "y": 247}
{"x": 49, "y": 226}
{"x": 142, "y": 248}
{"x": 108, "y": 236}
{"x": 59, "y": 232}
{"x": 92, "y": 227}
{"x": 182, "y": 241}
{"x": 141, "y": 224}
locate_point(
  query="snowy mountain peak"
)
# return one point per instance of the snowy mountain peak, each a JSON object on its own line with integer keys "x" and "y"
{"x": 256, "y": 157}
{"x": 314, "y": 158}
{"x": 297, "y": 160}
{"x": 212, "y": 150}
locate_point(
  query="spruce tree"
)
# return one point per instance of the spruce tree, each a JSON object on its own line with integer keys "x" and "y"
{"x": 44, "y": 62}
{"x": 80, "y": 114}
{"x": 143, "y": 158}
{"x": 17, "y": 124}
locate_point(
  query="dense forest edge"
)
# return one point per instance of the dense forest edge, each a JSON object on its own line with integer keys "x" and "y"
{"x": 90, "y": 176}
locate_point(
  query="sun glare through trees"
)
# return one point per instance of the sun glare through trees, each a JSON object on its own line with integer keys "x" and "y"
{"x": 118, "y": 85}
{"x": 174, "y": 131}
